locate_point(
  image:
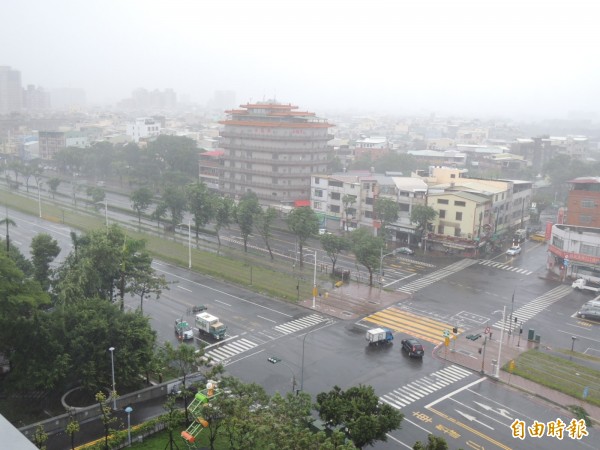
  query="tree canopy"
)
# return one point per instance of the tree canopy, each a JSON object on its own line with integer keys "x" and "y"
{"x": 367, "y": 250}
{"x": 359, "y": 411}
{"x": 304, "y": 223}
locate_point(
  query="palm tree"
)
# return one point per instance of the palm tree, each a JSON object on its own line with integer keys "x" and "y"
{"x": 8, "y": 222}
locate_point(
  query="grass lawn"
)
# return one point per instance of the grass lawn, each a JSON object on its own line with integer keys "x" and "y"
{"x": 560, "y": 374}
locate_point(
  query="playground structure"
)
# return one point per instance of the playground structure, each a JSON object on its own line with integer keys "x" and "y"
{"x": 195, "y": 408}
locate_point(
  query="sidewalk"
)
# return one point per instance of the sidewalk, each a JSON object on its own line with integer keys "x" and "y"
{"x": 465, "y": 352}
{"x": 353, "y": 301}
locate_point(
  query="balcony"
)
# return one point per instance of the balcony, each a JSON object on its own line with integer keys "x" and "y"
{"x": 277, "y": 162}
{"x": 264, "y": 137}
{"x": 275, "y": 150}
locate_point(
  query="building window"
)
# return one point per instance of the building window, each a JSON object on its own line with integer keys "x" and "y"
{"x": 585, "y": 219}
{"x": 317, "y": 179}
{"x": 558, "y": 242}
{"x": 335, "y": 195}
{"x": 459, "y": 203}
{"x": 369, "y": 200}
{"x": 318, "y": 192}
{"x": 442, "y": 201}
{"x": 369, "y": 214}
{"x": 587, "y": 203}
{"x": 442, "y": 213}
{"x": 591, "y": 250}
{"x": 458, "y": 216}
{"x": 316, "y": 205}
{"x": 334, "y": 208}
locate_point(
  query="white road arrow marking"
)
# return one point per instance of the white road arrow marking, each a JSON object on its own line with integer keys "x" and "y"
{"x": 472, "y": 419}
{"x": 500, "y": 411}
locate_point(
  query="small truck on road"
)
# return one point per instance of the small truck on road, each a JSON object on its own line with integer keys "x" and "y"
{"x": 378, "y": 336}
{"x": 209, "y": 324}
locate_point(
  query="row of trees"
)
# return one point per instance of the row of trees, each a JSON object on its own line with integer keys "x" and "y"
{"x": 76, "y": 311}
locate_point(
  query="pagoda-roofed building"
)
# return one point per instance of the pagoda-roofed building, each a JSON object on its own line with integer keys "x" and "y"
{"x": 272, "y": 149}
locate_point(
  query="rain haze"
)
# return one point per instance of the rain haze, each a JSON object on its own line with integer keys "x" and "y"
{"x": 519, "y": 59}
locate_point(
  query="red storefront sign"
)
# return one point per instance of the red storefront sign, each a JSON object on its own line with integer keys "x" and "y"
{"x": 548, "y": 231}
{"x": 573, "y": 256}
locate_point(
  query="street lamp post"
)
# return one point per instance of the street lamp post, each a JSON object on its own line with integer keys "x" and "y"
{"x": 112, "y": 365}
{"x": 40, "y": 199}
{"x": 129, "y": 410}
{"x": 381, "y": 266}
{"x": 497, "y": 374}
{"x": 105, "y": 202}
{"x": 314, "y": 291}
{"x": 189, "y": 225}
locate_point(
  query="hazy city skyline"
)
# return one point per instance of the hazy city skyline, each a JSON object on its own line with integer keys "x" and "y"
{"x": 516, "y": 59}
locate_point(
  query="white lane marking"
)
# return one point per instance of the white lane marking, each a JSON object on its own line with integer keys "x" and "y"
{"x": 219, "y": 301}
{"x": 264, "y": 318}
{"x": 578, "y": 336}
{"x": 225, "y": 293}
{"x": 435, "y": 402}
{"x": 185, "y": 289}
{"x": 244, "y": 357}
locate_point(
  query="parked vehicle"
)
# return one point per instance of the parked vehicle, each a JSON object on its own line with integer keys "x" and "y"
{"x": 405, "y": 251}
{"x": 582, "y": 285}
{"x": 378, "y": 336}
{"x": 514, "y": 250}
{"x": 519, "y": 236}
{"x": 183, "y": 330}
{"x": 209, "y": 324}
{"x": 413, "y": 347}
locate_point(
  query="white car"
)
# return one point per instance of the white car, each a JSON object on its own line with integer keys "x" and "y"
{"x": 514, "y": 250}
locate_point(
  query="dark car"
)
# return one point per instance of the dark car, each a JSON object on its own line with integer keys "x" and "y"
{"x": 413, "y": 347}
{"x": 405, "y": 251}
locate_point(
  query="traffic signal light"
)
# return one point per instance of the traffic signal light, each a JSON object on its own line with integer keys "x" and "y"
{"x": 274, "y": 359}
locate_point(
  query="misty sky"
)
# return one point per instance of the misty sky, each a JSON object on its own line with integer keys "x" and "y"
{"x": 511, "y": 58}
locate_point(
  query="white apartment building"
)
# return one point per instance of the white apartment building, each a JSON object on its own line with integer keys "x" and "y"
{"x": 143, "y": 128}
{"x": 347, "y": 200}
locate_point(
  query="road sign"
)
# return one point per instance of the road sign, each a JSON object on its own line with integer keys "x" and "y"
{"x": 446, "y": 333}
{"x": 315, "y": 291}
{"x": 487, "y": 330}
{"x": 447, "y": 341}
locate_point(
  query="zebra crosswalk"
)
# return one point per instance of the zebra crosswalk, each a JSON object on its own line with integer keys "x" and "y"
{"x": 431, "y": 278}
{"x": 498, "y": 265}
{"x": 300, "y": 324}
{"x": 527, "y": 311}
{"x": 227, "y": 351}
{"x": 421, "y": 327}
{"x": 415, "y": 390}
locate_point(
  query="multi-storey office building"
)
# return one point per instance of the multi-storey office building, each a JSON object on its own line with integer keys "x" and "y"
{"x": 272, "y": 150}
{"x": 583, "y": 202}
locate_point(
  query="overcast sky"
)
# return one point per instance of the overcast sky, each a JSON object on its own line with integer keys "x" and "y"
{"x": 510, "y": 58}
